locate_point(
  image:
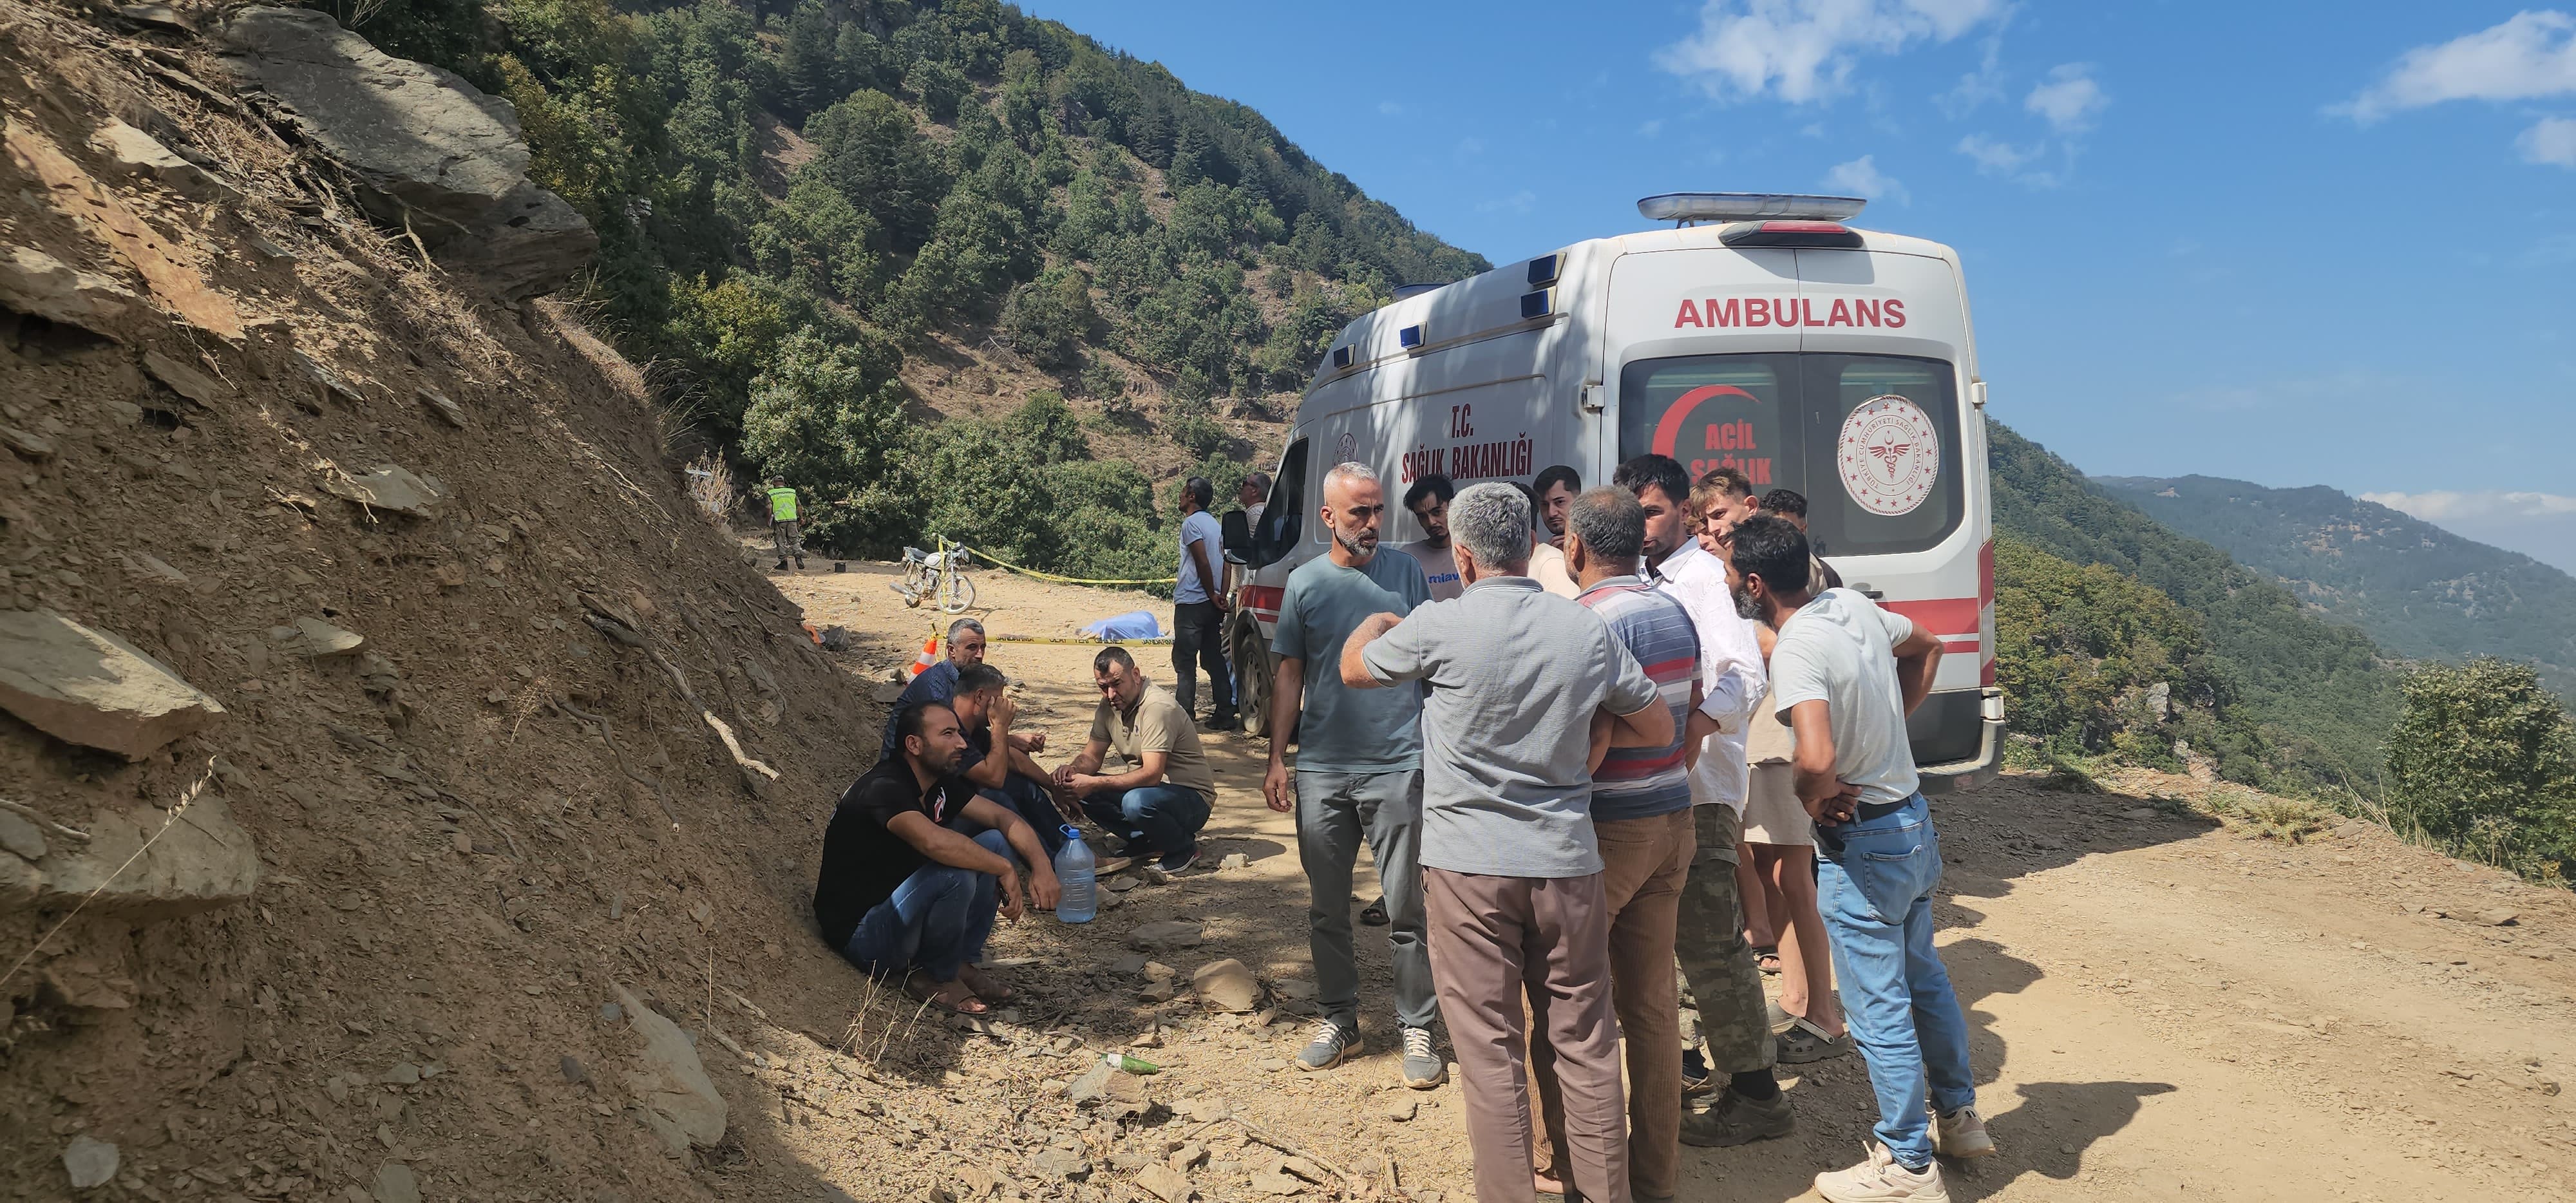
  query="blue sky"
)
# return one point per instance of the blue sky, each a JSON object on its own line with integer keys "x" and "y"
{"x": 2293, "y": 243}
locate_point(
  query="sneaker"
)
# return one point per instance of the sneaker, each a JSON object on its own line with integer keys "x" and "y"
{"x": 1961, "y": 1134}
{"x": 1737, "y": 1120}
{"x": 1328, "y": 1047}
{"x": 1805, "y": 1043}
{"x": 1879, "y": 1179}
{"x": 1179, "y": 862}
{"x": 1423, "y": 1068}
{"x": 1695, "y": 1075}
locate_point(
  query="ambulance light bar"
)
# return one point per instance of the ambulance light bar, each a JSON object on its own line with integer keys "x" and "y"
{"x": 1693, "y": 207}
{"x": 1789, "y": 233}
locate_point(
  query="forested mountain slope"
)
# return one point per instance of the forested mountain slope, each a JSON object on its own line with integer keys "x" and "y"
{"x": 2415, "y": 588}
{"x": 857, "y": 238}
{"x": 2321, "y": 694}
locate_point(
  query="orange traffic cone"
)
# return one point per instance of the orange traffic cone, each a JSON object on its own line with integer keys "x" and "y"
{"x": 929, "y": 655}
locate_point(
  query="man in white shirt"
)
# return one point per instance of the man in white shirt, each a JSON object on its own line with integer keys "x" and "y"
{"x": 1428, "y": 501}
{"x": 1716, "y": 961}
{"x": 1199, "y": 605}
{"x": 1846, "y": 674}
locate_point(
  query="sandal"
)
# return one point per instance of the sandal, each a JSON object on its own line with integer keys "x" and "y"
{"x": 1805, "y": 1043}
{"x": 991, "y": 991}
{"x": 920, "y": 988}
{"x": 1767, "y": 959}
{"x": 1374, "y": 914}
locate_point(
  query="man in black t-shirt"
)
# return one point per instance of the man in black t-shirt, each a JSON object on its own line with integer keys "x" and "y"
{"x": 904, "y": 890}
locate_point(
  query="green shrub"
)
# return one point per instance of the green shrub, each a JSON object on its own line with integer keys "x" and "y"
{"x": 2482, "y": 762}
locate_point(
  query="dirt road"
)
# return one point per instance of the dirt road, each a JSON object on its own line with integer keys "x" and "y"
{"x": 2163, "y": 1008}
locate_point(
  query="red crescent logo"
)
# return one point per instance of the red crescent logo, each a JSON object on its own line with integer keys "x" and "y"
{"x": 1669, "y": 431}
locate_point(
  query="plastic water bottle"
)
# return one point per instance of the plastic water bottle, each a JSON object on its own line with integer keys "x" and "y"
{"x": 1074, "y": 866}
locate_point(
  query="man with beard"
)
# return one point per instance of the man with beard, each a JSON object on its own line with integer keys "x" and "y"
{"x": 1428, "y": 502}
{"x": 1716, "y": 961}
{"x": 905, "y": 893}
{"x": 995, "y": 761}
{"x": 1358, "y": 775}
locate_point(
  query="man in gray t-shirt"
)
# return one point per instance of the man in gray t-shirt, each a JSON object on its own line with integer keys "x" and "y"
{"x": 1517, "y": 677}
{"x": 1846, "y": 673}
{"x": 1359, "y": 772}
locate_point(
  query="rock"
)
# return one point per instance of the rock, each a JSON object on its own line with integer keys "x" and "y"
{"x": 1165, "y": 935}
{"x": 403, "y": 1073}
{"x": 1131, "y": 963}
{"x": 1120, "y": 884}
{"x": 1302, "y": 1168}
{"x": 1157, "y": 971}
{"x": 1188, "y": 1155}
{"x": 1061, "y": 1165}
{"x": 316, "y": 638}
{"x": 391, "y": 487}
{"x": 1296, "y": 990}
{"x": 88, "y": 687}
{"x": 90, "y": 1161}
{"x": 1233, "y": 860}
{"x": 426, "y": 148}
{"x": 150, "y": 567}
{"x": 203, "y": 861}
{"x": 31, "y": 446}
{"x": 395, "y": 1183}
{"x": 1270, "y": 1064}
{"x": 1274, "y": 1179}
{"x": 1402, "y": 1108}
{"x": 1157, "y": 992}
{"x": 157, "y": 16}
{"x": 137, "y": 155}
{"x": 2139, "y": 812}
{"x": 325, "y": 381}
{"x": 22, "y": 837}
{"x": 184, "y": 380}
{"x": 33, "y": 282}
{"x": 1091, "y": 1087}
{"x": 2496, "y": 918}
{"x": 1226, "y": 985}
{"x": 680, "y": 1104}
{"x": 447, "y": 411}
{"x": 1165, "y": 1183}
{"x": 573, "y": 1071}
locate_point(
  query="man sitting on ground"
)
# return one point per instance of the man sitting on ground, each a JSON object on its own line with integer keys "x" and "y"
{"x": 993, "y": 762}
{"x": 904, "y": 892}
{"x": 1846, "y": 674}
{"x": 1161, "y": 794}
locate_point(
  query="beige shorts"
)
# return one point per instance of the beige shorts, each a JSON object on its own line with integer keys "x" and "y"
{"x": 1772, "y": 812}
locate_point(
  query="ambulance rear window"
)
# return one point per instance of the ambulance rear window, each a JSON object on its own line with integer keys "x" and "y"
{"x": 1871, "y": 441}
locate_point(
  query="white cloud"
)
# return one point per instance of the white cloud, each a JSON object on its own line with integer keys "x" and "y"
{"x": 2442, "y": 504}
{"x": 2551, "y": 141}
{"x": 2070, "y": 99}
{"x": 1999, "y": 158}
{"x": 1805, "y": 50}
{"x": 2539, "y": 525}
{"x": 2530, "y": 55}
{"x": 1978, "y": 86}
{"x": 1861, "y": 177}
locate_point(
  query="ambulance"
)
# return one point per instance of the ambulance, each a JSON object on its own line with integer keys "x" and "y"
{"x": 1759, "y": 331}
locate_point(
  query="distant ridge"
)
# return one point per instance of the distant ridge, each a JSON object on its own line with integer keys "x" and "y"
{"x": 2415, "y": 588}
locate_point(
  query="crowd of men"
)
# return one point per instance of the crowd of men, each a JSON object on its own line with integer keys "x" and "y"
{"x": 1656, "y": 739}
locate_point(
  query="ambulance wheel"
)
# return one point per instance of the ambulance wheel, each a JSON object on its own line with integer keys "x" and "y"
{"x": 1252, "y": 678}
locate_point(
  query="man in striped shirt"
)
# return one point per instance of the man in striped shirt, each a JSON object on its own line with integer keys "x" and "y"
{"x": 1641, "y": 816}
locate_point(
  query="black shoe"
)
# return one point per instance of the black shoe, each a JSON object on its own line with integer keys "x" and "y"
{"x": 1737, "y": 1120}
{"x": 800, "y": 563}
{"x": 782, "y": 566}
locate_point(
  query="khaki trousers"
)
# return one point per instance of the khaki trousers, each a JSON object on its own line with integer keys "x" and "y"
{"x": 1717, "y": 964}
{"x": 1492, "y": 939}
{"x": 1643, "y": 865}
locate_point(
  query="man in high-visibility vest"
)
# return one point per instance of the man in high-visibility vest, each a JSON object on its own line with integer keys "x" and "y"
{"x": 784, "y": 530}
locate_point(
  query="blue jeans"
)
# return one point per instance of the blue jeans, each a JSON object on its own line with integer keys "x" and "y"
{"x": 936, "y": 921}
{"x": 1033, "y": 804}
{"x": 1163, "y": 818}
{"x": 1876, "y": 895}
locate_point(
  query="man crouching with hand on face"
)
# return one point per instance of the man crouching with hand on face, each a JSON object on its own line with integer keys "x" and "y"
{"x": 904, "y": 891}
{"x": 1845, "y": 674}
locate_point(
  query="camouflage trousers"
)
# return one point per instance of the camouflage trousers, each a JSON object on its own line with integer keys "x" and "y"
{"x": 1722, "y": 1001}
{"x": 789, "y": 536}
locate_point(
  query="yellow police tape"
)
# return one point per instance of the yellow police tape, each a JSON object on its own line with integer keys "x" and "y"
{"x": 1049, "y": 576}
{"x": 1164, "y": 640}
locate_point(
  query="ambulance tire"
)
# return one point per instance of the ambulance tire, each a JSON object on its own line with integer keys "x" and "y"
{"x": 1253, "y": 677}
